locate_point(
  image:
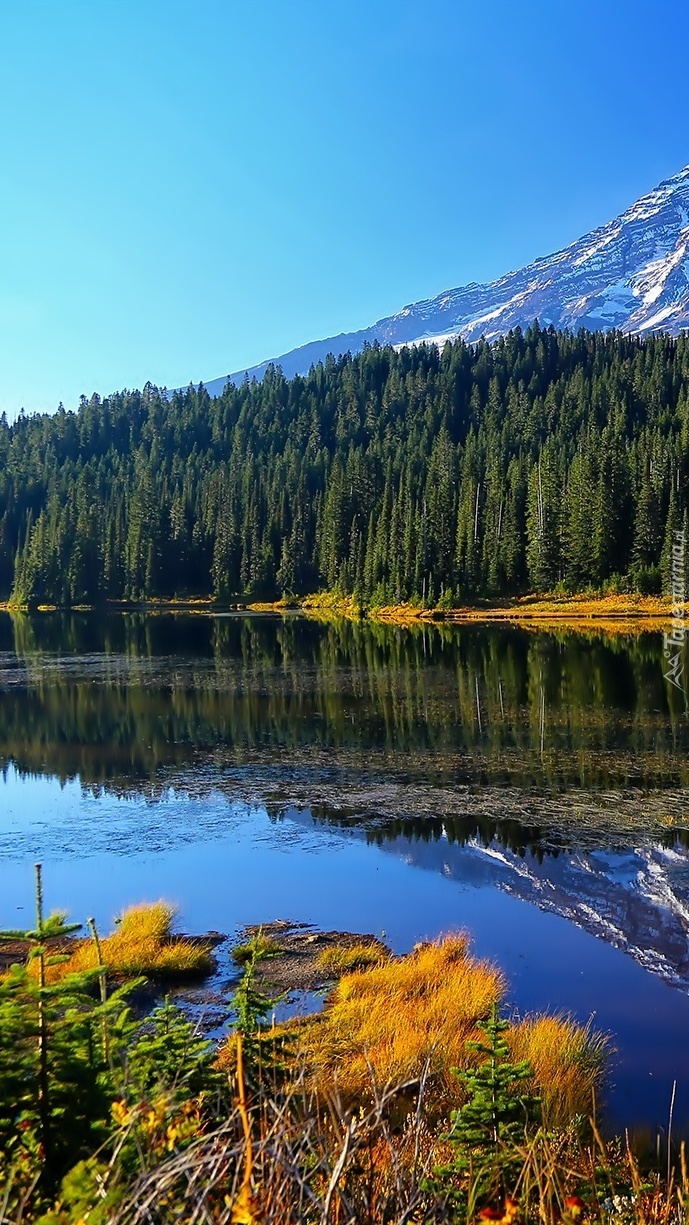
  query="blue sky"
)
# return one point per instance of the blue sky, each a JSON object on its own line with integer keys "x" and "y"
{"x": 190, "y": 186}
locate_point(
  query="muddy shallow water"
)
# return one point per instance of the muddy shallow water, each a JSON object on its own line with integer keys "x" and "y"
{"x": 529, "y": 788}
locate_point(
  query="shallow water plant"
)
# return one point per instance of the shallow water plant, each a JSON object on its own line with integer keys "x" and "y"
{"x": 425, "y": 1010}
{"x": 393, "y": 1018}
{"x": 341, "y": 959}
{"x": 257, "y": 948}
{"x": 568, "y": 1062}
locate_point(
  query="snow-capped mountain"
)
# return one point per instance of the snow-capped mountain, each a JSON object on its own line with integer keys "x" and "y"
{"x": 632, "y": 274}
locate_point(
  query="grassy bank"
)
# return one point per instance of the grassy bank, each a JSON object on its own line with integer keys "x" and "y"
{"x": 538, "y": 608}
{"x": 611, "y": 613}
{"x": 625, "y": 612}
{"x": 407, "y": 1099}
{"x": 191, "y": 604}
{"x": 628, "y": 611}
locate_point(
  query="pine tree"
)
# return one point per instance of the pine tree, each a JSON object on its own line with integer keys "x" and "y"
{"x": 543, "y": 523}
{"x": 496, "y": 1118}
{"x": 54, "y": 1102}
{"x": 495, "y": 1112}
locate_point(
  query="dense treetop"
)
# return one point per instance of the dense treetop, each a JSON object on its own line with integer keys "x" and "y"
{"x": 543, "y": 458}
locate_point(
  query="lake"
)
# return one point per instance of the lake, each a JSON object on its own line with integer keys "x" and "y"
{"x": 527, "y": 787}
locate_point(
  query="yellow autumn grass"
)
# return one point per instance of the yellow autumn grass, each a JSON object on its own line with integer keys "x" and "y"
{"x": 568, "y": 1061}
{"x": 341, "y": 959}
{"x": 392, "y": 1018}
{"x": 142, "y": 943}
{"x": 613, "y": 611}
{"x": 328, "y": 605}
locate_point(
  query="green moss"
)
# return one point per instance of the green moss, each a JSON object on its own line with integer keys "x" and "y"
{"x": 259, "y": 946}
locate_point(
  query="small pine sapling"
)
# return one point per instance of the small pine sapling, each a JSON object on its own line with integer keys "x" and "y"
{"x": 263, "y": 1052}
{"x": 50, "y": 1067}
{"x": 497, "y": 1116}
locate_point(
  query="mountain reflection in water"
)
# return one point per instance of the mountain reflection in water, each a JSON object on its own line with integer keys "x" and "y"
{"x": 636, "y": 900}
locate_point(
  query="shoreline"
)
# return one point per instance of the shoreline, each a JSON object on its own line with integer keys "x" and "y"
{"x": 614, "y": 613}
{"x": 609, "y": 612}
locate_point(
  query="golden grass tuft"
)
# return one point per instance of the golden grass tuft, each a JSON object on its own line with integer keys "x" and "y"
{"x": 394, "y": 1017}
{"x": 342, "y": 959}
{"x": 568, "y": 1061}
{"x": 142, "y": 943}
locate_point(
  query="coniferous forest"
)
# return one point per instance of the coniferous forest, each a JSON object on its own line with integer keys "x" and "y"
{"x": 543, "y": 459}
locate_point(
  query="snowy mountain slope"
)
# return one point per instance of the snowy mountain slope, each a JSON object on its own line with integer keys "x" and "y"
{"x": 632, "y": 274}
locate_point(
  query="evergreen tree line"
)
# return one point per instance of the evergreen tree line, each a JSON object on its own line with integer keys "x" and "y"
{"x": 540, "y": 459}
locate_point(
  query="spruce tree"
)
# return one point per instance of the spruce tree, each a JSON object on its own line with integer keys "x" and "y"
{"x": 496, "y": 1118}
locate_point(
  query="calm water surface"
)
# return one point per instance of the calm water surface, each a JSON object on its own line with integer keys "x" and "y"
{"x": 530, "y": 788}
